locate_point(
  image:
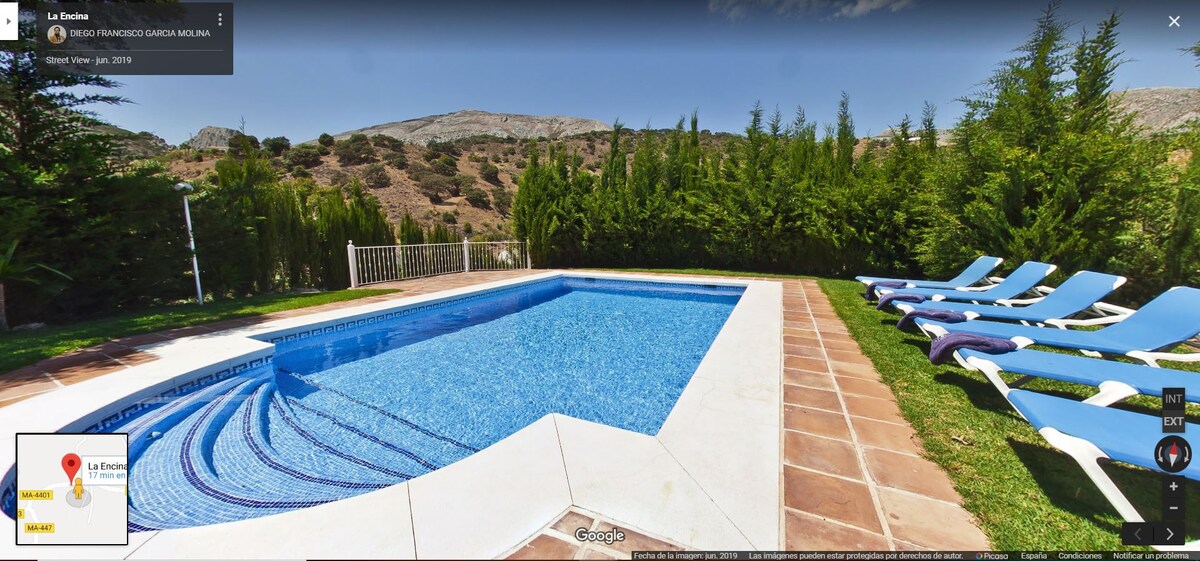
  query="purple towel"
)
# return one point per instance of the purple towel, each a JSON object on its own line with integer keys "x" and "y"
{"x": 943, "y": 347}
{"x": 886, "y": 299}
{"x": 870, "y": 294}
{"x": 947, "y": 316}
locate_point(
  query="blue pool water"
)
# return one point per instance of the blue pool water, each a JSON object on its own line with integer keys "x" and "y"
{"x": 343, "y": 413}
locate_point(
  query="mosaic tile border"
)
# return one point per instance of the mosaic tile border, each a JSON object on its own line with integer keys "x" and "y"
{"x": 177, "y": 391}
{"x": 355, "y": 323}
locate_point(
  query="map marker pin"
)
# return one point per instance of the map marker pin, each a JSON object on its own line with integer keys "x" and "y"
{"x": 70, "y": 464}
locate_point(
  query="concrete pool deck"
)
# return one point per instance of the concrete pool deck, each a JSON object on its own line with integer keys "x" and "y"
{"x": 816, "y": 456}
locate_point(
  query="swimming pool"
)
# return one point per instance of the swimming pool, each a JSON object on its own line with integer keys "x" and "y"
{"x": 341, "y": 413}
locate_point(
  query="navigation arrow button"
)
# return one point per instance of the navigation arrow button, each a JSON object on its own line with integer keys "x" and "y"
{"x": 1137, "y": 533}
{"x": 9, "y": 11}
{"x": 1168, "y": 534}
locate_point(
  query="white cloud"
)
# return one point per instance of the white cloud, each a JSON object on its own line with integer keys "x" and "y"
{"x": 858, "y": 8}
{"x": 738, "y": 9}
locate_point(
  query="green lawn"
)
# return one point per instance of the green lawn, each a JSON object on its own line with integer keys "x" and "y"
{"x": 22, "y": 348}
{"x": 1026, "y": 494}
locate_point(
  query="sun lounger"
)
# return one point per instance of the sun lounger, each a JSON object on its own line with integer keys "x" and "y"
{"x": 1171, "y": 318}
{"x": 1078, "y": 293}
{"x": 1020, "y": 281}
{"x": 974, "y": 273}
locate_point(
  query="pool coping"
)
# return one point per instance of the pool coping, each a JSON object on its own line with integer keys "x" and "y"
{"x": 709, "y": 478}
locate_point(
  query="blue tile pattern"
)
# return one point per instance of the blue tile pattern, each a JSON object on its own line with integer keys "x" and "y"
{"x": 363, "y": 404}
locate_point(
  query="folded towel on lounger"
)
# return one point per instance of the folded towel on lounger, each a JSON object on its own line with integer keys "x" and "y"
{"x": 870, "y": 294}
{"x": 947, "y": 316}
{"x": 942, "y": 348}
{"x": 886, "y": 299}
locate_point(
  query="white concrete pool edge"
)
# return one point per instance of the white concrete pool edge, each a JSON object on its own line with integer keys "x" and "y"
{"x": 709, "y": 479}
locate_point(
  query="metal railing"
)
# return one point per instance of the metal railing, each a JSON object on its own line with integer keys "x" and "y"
{"x": 385, "y": 263}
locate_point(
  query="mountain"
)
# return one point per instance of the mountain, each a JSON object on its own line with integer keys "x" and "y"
{"x": 1160, "y": 110}
{"x": 134, "y": 145}
{"x": 1155, "y": 111}
{"x": 211, "y": 137}
{"x": 470, "y": 122}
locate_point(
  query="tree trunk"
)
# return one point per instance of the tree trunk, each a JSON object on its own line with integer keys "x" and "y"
{"x": 3, "y": 312}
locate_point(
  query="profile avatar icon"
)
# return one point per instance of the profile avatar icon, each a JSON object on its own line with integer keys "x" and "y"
{"x": 57, "y": 34}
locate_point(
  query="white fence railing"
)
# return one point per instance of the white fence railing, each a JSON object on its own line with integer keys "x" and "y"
{"x": 384, "y": 263}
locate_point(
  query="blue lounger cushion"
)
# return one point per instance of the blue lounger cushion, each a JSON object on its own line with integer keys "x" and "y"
{"x": 974, "y": 273}
{"x": 1122, "y": 435}
{"x": 1020, "y": 281}
{"x": 1075, "y": 295}
{"x": 1169, "y": 319}
{"x": 1077, "y": 369}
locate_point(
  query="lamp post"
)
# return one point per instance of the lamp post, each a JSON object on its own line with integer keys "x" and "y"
{"x": 187, "y": 188}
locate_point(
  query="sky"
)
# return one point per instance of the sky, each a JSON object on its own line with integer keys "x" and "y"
{"x": 303, "y": 67}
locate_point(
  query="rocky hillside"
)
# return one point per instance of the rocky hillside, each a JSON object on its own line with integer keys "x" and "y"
{"x": 468, "y": 123}
{"x": 1161, "y": 110}
{"x": 211, "y": 137}
{"x": 134, "y": 145}
{"x": 402, "y": 193}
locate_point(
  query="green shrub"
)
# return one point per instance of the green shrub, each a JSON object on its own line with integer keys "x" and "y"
{"x": 502, "y": 200}
{"x": 387, "y": 142}
{"x": 305, "y": 155}
{"x": 490, "y": 173}
{"x": 433, "y": 186}
{"x": 340, "y": 178}
{"x": 445, "y": 165}
{"x": 276, "y": 145}
{"x": 376, "y": 176}
{"x": 476, "y": 197}
{"x": 242, "y": 144}
{"x": 354, "y": 150}
{"x": 325, "y": 140}
{"x": 462, "y": 181}
{"x": 443, "y": 148}
{"x": 396, "y": 159}
{"x": 449, "y": 217}
{"x": 300, "y": 171}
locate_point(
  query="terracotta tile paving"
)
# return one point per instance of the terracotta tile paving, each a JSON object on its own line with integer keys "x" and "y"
{"x": 890, "y": 498}
{"x": 557, "y": 540}
{"x": 118, "y": 354}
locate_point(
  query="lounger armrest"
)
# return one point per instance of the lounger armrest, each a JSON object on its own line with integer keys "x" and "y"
{"x": 1102, "y": 320}
{"x": 973, "y": 288}
{"x": 1043, "y": 289}
{"x": 1152, "y": 358}
{"x": 994, "y": 280}
{"x": 1113, "y": 309}
{"x": 1010, "y": 302}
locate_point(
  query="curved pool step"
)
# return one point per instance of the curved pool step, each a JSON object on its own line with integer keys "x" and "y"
{"x": 244, "y": 461}
{"x": 297, "y": 442}
{"x": 354, "y": 439}
{"x": 337, "y": 407}
{"x": 171, "y": 497}
{"x": 142, "y": 428}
